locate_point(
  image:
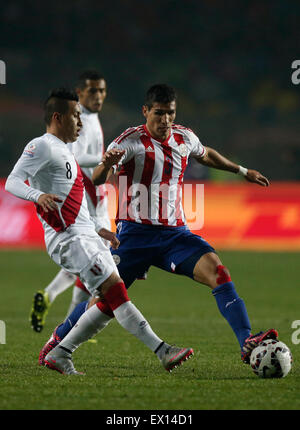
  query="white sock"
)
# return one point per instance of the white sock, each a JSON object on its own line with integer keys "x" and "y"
{"x": 90, "y": 323}
{"x": 62, "y": 281}
{"x": 93, "y": 320}
{"x": 78, "y": 296}
{"x": 130, "y": 318}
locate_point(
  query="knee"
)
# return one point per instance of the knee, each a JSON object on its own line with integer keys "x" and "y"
{"x": 104, "y": 307}
{"x": 214, "y": 276}
{"x": 112, "y": 280}
{"x": 210, "y": 271}
{"x": 222, "y": 275}
{"x": 93, "y": 301}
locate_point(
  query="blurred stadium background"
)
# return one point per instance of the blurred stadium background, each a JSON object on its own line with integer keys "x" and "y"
{"x": 231, "y": 65}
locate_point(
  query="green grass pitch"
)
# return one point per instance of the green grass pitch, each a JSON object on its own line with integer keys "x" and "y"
{"x": 123, "y": 374}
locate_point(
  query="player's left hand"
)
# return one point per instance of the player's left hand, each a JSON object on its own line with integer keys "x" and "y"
{"x": 110, "y": 236}
{"x": 48, "y": 202}
{"x": 257, "y": 178}
{"x": 115, "y": 243}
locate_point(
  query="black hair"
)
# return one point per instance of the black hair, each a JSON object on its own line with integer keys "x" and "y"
{"x": 88, "y": 74}
{"x": 57, "y": 101}
{"x": 160, "y": 93}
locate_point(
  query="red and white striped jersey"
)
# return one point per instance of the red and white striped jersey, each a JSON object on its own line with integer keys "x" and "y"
{"x": 50, "y": 167}
{"x": 88, "y": 150}
{"x": 151, "y": 175}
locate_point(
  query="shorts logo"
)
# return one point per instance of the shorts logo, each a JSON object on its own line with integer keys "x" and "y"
{"x": 116, "y": 259}
{"x": 96, "y": 270}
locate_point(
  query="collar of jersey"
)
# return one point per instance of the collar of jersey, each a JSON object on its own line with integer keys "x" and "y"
{"x": 54, "y": 137}
{"x": 162, "y": 142}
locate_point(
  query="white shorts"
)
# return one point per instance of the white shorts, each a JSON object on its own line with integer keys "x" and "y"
{"x": 87, "y": 257}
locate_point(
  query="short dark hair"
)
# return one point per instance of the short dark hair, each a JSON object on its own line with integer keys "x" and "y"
{"x": 57, "y": 101}
{"x": 160, "y": 93}
{"x": 91, "y": 74}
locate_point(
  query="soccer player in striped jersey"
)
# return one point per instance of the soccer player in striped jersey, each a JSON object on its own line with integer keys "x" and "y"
{"x": 151, "y": 224}
{"x": 154, "y": 160}
{"x": 88, "y": 151}
{"x": 56, "y": 187}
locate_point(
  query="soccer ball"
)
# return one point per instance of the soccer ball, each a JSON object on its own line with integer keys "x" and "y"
{"x": 271, "y": 359}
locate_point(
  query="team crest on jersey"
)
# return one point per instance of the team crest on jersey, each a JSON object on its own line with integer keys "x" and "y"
{"x": 116, "y": 259}
{"x": 29, "y": 151}
{"x": 182, "y": 150}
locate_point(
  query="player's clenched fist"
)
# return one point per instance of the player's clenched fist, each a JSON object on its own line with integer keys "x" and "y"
{"x": 48, "y": 202}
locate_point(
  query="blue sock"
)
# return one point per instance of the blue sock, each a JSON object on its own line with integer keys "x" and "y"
{"x": 71, "y": 320}
{"x": 233, "y": 310}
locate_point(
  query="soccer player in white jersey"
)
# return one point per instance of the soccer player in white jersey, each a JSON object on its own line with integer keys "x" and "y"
{"x": 56, "y": 187}
{"x": 151, "y": 226}
{"x": 88, "y": 151}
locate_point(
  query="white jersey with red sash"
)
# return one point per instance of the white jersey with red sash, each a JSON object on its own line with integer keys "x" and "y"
{"x": 50, "y": 167}
{"x": 157, "y": 167}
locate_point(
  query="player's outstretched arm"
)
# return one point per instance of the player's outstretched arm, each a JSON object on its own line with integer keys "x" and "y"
{"x": 213, "y": 158}
{"x": 104, "y": 170}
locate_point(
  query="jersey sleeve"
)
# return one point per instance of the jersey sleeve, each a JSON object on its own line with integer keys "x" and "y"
{"x": 197, "y": 149}
{"x": 35, "y": 156}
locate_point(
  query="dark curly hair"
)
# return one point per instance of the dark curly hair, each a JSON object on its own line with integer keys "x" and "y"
{"x": 160, "y": 93}
{"x": 57, "y": 101}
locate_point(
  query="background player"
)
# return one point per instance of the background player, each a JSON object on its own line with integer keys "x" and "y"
{"x": 56, "y": 186}
{"x": 88, "y": 151}
{"x": 154, "y": 155}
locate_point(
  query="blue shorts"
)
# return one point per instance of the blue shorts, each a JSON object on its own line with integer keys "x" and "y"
{"x": 142, "y": 246}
